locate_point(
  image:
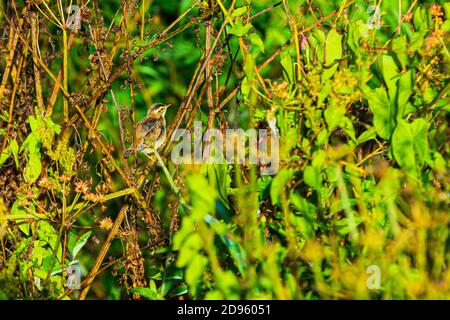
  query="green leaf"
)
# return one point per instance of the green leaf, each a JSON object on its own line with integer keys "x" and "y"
{"x": 195, "y": 270}
{"x": 333, "y": 116}
{"x": 18, "y": 209}
{"x": 47, "y": 233}
{"x": 303, "y": 225}
{"x": 347, "y": 225}
{"x": 405, "y": 90}
{"x": 398, "y": 46}
{"x": 312, "y": 177}
{"x": 256, "y": 40}
{"x": 220, "y": 180}
{"x": 278, "y": 185}
{"x": 82, "y": 240}
{"x": 202, "y": 202}
{"x": 4, "y": 156}
{"x": 410, "y": 145}
{"x": 33, "y": 168}
{"x": 179, "y": 291}
{"x": 347, "y": 125}
{"x": 288, "y": 65}
{"x": 367, "y": 135}
{"x": 383, "y": 112}
{"x": 333, "y": 47}
{"x": 239, "y": 12}
{"x": 239, "y": 29}
{"x": 14, "y": 148}
{"x": 148, "y": 293}
{"x": 389, "y": 71}
{"x": 189, "y": 248}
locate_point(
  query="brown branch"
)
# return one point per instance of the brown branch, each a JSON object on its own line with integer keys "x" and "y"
{"x": 103, "y": 251}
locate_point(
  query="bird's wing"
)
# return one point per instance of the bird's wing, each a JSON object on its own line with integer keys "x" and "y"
{"x": 153, "y": 129}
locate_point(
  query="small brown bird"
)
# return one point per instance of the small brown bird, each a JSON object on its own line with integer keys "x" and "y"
{"x": 151, "y": 131}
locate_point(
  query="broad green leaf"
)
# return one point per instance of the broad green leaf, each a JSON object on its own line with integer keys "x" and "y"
{"x": 190, "y": 247}
{"x": 288, "y": 65}
{"x": 398, "y": 46}
{"x": 14, "y": 148}
{"x": 33, "y": 168}
{"x": 239, "y": 29}
{"x": 150, "y": 293}
{"x": 420, "y": 19}
{"x": 202, "y": 202}
{"x": 405, "y": 90}
{"x": 256, "y": 40}
{"x": 312, "y": 177}
{"x": 367, "y": 135}
{"x": 47, "y": 233}
{"x": 303, "y": 225}
{"x": 82, "y": 240}
{"x": 410, "y": 145}
{"x": 383, "y": 112}
{"x": 389, "y": 71}
{"x": 220, "y": 180}
{"x": 17, "y": 208}
{"x": 278, "y": 185}
{"x": 179, "y": 291}
{"x": 333, "y": 116}
{"x": 358, "y": 30}
{"x": 347, "y": 126}
{"x": 195, "y": 270}
{"x": 348, "y": 225}
{"x": 437, "y": 161}
{"x": 239, "y": 12}
{"x": 333, "y": 47}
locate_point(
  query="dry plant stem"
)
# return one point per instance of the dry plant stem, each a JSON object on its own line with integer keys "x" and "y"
{"x": 109, "y": 264}
{"x": 183, "y": 109}
{"x": 163, "y": 37}
{"x": 165, "y": 170}
{"x": 12, "y": 102}
{"x": 195, "y": 109}
{"x": 209, "y": 94}
{"x": 294, "y": 31}
{"x": 103, "y": 251}
{"x": 92, "y": 132}
{"x": 9, "y": 60}
{"x": 56, "y": 87}
{"x": 129, "y": 71}
{"x": 37, "y": 75}
{"x": 65, "y": 77}
{"x": 113, "y": 96}
{"x": 142, "y": 20}
{"x": 208, "y": 74}
{"x": 188, "y": 92}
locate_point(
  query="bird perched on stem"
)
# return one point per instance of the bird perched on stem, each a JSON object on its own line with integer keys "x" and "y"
{"x": 150, "y": 131}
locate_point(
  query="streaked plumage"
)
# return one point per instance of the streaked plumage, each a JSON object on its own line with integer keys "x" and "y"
{"x": 151, "y": 131}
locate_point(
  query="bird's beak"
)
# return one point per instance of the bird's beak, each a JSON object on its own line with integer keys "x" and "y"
{"x": 168, "y": 105}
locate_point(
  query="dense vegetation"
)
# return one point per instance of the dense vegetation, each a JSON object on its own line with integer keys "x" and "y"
{"x": 358, "y": 91}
